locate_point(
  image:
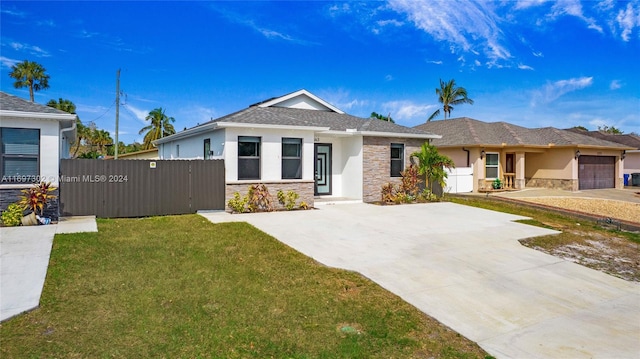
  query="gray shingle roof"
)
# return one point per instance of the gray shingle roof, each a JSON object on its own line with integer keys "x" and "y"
{"x": 14, "y": 103}
{"x": 469, "y": 132}
{"x": 312, "y": 118}
{"x": 627, "y": 140}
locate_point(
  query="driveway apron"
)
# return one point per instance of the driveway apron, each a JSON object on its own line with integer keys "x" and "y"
{"x": 465, "y": 267}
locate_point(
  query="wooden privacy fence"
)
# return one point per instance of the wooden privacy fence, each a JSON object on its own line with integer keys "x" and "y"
{"x": 138, "y": 188}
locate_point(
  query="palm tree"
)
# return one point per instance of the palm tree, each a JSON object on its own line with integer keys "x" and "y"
{"x": 82, "y": 134}
{"x": 101, "y": 138}
{"x": 160, "y": 126}
{"x": 450, "y": 95}
{"x": 30, "y": 74}
{"x": 63, "y": 105}
{"x": 432, "y": 164}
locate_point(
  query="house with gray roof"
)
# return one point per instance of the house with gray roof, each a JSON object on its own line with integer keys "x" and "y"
{"x": 529, "y": 157}
{"x": 34, "y": 139}
{"x": 302, "y": 143}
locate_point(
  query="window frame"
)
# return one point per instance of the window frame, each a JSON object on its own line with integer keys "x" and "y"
{"x": 255, "y": 157}
{"x": 298, "y": 158}
{"x": 19, "y": 178}
{"x": 207, "y": 148}
{"x": 487, "y": 165}
{"x": 401, "y": 147}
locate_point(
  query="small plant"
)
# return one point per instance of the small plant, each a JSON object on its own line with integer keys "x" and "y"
{"x": 303, "y": 205}
{"x": 260, "y": 199}
{"x": 37, "y": 197}
{"x": 238, "y": 203}
{"x": 497, "y": 184}
{"x": 288, "y": 199}
{"x": 427, "y": 195}
{"x": 410, "y": 181}
{"x": 12, "y": 216}
{"x": 388, "y": 193}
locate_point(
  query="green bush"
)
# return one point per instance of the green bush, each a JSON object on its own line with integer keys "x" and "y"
{"x": 238, "y": 203}
{"x": 288, "y": 200}
{"x": 12, "y": 216}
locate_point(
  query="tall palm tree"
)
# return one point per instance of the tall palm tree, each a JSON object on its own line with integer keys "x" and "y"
{"x": 159, "y": 127}
{"x": 450, "y": 95}
{"x": 30, "y": 74}
{"x": 432, "y": 164}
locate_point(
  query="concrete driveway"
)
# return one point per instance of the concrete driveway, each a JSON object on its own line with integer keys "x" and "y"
{"x": 465, "y": 267}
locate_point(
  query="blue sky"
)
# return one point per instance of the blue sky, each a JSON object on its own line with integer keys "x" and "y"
{"x": 532, "y": 63}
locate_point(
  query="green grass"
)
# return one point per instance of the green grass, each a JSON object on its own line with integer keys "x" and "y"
{"x": 181, "y": 287}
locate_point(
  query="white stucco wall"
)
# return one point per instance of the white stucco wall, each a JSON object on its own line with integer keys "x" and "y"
{"x": 352, "y": 167}
{"x": 270, "y": 155}
{"x": 49, "y": 144}
{"x": 193, "y": 147}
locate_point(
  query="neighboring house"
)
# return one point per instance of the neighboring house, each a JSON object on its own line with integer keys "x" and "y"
{"x": 34, "y": 138}
{"x": 300, "y": 142}
{"x": 523, "y": 157}
{"x": 151, "y": 154}
{"x": 632, "y": 157}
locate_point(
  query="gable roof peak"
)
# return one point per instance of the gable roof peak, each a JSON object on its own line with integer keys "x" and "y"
{"x": 301, "y": 99}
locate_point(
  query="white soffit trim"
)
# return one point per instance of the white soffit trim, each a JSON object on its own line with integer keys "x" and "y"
{"x": 398, "y": 134}
{"x": 278, "y": 100}
{"x": 272, "y": 127}
{"x": 39, "y": 115}
{"x": 187, "y": 133}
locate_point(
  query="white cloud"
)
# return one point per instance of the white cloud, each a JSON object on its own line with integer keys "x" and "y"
{"x": 438, "y": 62}
{"x": 406, "y": 110}
{"x": 524, "y": 67}
{"x": 138, "y": 113}
{"x": 466, "y": 24}
{"x": 389, "y": 78}
{"x": 628, "y": 19}
{"x": 392, "y": 22}
{"x": 537, "y": 54}
{"x": 7, "y": 62}
{"x": 554, "y": 90}
{"x": 30, "y": 49}
{"x": 615, "y": 84}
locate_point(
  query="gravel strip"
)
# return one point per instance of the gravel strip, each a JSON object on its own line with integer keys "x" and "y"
{"x": 626, "y": 211}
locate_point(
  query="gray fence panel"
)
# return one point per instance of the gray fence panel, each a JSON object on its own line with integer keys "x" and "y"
{"x": 135, "y": 188}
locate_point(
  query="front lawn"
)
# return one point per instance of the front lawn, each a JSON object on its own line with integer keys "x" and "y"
{"x": 181, "y": 287}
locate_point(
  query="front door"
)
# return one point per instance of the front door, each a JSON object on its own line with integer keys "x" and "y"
{"x": 323, "y": 169}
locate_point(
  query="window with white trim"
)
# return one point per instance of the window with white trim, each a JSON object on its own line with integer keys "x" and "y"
{"x": 20, "y": 155}
{"x": 291, "y": 158}
{"x": 492, "y": 163}
{"x": 248, "y": 158}
{"x": 397, "y": 159}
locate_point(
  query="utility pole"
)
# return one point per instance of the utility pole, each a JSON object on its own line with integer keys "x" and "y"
{"x": 117, "y": 111}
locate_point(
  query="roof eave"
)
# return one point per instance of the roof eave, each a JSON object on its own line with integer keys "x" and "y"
{"x": 39, "y": 115}
{"x": 271, "y": 127}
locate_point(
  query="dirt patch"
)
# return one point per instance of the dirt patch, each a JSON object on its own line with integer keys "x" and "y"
{"x": 626, "y": 211}
{"x": 610, "y": 254}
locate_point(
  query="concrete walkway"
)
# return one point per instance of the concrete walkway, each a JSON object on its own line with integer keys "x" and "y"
{"x": 465, "y": 267}
{"x": 24, "y": 258}
{"x": 627, "y": 194}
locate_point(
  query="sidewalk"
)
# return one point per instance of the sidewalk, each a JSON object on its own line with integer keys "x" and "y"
{"x": 24, "y": 258}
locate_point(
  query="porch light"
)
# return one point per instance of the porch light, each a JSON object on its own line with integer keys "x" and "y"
{"x": 577, "y": 154}
{"x": 482, "y": 153}
{"x": 624, "y": 155}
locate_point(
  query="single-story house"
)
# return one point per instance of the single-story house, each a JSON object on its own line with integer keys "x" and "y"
{"x": 34, "y": 138}
{"x": 631, "y": 157}
{"x": 524, "y": 157}
{"x": 302, "y": 143}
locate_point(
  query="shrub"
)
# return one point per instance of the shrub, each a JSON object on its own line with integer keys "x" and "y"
{"x": 388, "y": 193}
{"x": 410, "y": 181}
{"x": 497, "y": 184}
{"x": 12, "y": 216}
{"x": 37, "y": 197}
{"x": 427, "y": 195}
{"x": 303, "y": 205}
{"x": 288, "y": 200}
{"x": 259, "y": 199}
{"x": 238, "y": 203}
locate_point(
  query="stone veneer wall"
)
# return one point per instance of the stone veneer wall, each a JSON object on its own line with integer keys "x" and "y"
{"x": 376, "y": 159}
{"x": 304, "y": 188}
{"x": 564, "y": 184}
{"x": 11, "y": 195}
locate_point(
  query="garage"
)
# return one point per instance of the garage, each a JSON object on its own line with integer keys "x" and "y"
{"x": 597, "y": 172}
